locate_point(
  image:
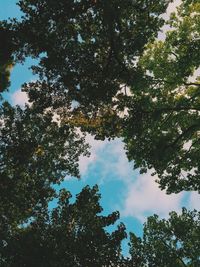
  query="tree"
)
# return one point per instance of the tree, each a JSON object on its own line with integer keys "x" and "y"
{"x": 6, "y": 59}
{"x": 91, "y": 51}
{"x": 169, "y": 242}
{"x": 72, "y": 234}
{"x": 87, "y": 48}
{"x": 36, "y": 152}
{"x": 162, "y": 126}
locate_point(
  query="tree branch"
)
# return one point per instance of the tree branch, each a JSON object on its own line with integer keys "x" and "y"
{"x": 191, "y": 129}
{"x": 190, "y": 84}
{"x": 174, "y": 252}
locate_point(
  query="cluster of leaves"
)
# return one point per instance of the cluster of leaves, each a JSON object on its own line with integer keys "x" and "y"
{"x": 87, "y": 48}
{"x": 36, "y": 152}
{"x": 169, "y": 243}
{"x": 163, "y": 124}
{"x": 74, "y": 234}
{"x": 6, "y": 60}
{"x": 70, "y": 235}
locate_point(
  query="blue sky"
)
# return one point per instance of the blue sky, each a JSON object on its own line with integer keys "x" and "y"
{"x": 135, "y": 196}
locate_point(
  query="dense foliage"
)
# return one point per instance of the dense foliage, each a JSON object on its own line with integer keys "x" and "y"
{"x": 6, "y": 50}
{"x": 72, "y": 234}
{"x": 101, "y": 71}
{"x": 168, "y": 243}
{"x": 162, "y": 128}
{"x": 87, "y": 48}
{"x": 36, "y": 152}
{"x": 93, "y": 52}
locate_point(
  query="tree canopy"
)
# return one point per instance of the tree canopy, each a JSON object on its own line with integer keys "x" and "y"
{"x": 162, "y": 128}
{"x": 36, "y": 152}
{"x": 169, "y": 242}
{"x": 92, "y": 52}
{"x": 101, "y": 71}
{"x": 87, "y": 48}
{"x": 72, "y": 234}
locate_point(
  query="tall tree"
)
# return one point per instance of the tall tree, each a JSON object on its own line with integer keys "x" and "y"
{"x": 162, "y": 128}
{"x": 72, "y": 234}
{"x": 36, "y": 152}
{"x": 172, "y": 242}
{"x": 87, "y": 48}
{"x": 90, "y": 51}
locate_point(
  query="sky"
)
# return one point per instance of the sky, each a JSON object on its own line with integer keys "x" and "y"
{"x": 122, "y": 188}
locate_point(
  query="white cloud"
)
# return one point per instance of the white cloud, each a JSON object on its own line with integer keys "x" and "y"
{"x": 141, "y": 195}
{"x": 114, "y": 163}
{"x": 194, "y": 76}
{"x": 96, "y": 147}
{"x": 145, "y": 198}
{"x": 121, "y": 166}
{"x": 111, "y": 159}
{"x": 187, "y": 145}
{"x": 19, "y": 98}
{"x": 171, "y": 8}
